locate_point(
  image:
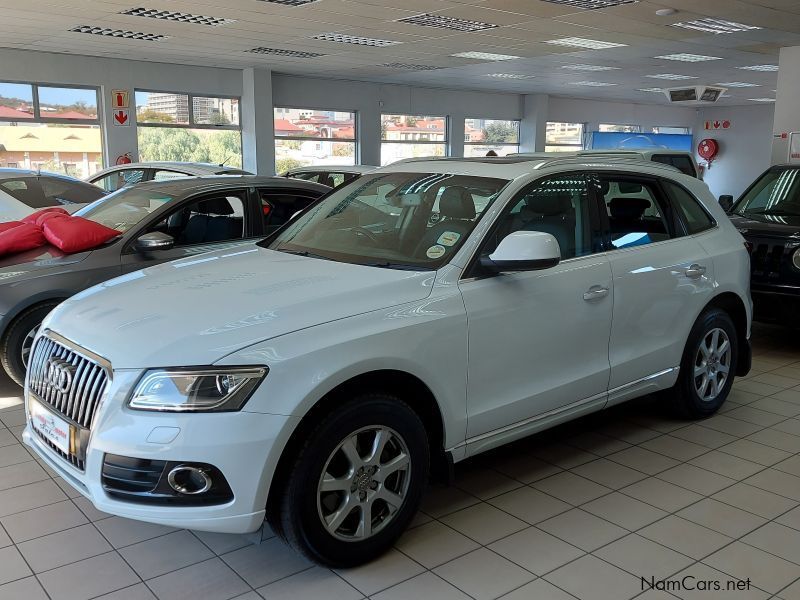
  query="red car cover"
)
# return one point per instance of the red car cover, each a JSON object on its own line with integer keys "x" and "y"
{"x": 20, "y": 238}
{"x": 75, "y": 234}
{"x": 40, "y": 216}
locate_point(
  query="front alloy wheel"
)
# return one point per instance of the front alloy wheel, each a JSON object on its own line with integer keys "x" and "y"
{"x": 364, "y": 483}
{"x": 351, "y": 488}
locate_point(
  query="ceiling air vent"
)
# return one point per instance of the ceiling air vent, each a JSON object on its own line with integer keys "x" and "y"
{"x": 282, "y": 52}
{"x": 698, "y": 94}
{"x": 343, "y": 38}
{"x": 442, "y": 22}
{"x": 169, "y": 15}
{"x": 410, "y": 66}
{"x": 591, "y": 4}
{"x": 120, "y": 33}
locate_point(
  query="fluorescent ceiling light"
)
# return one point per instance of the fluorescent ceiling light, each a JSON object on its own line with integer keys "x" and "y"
{"x": 410, "y": 66}
{"x": 485, "y": 56}
{"x": 576, "y": 42}
{"x": 443, "y": 22}
{"x": 655, "y": 90}
{"x": 282, "y": 52}
{"x": 589, "y": 68}
{"x": 765, "y": 68}
{"x": 739, "y": 84}
{"x": 591, "y": 4}
{"x": 343, "y": 38}
{"x": 762, "y": 99}
{"x": 592, "y": 83}
{"x": 119, "y": 33}
{"x": 670, "y": 76}
{"x": 709, "y": 25}
{"x": 510, "y": 76}
{"x": 169, "y": 15}
{"x": 683, "y": 57}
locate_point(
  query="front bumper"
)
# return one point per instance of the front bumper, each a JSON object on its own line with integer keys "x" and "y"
{"x": 243, "y": 446}
{"x": 776, "y": 304}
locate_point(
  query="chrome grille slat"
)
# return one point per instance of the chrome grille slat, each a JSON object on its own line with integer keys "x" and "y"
{"x": 86, "y": 397}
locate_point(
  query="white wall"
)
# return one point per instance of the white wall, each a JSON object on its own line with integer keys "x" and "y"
{"x": 594, "y": 112}
{"x": 745, "y": 148}
{"x": 787, "y": 117}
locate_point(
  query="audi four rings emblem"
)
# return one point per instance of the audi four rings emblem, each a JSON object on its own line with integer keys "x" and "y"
{"x": 58, "y": 374}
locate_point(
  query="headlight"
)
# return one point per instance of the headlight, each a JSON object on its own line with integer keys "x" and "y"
{"x": 796, "y": 259}
{"x": 196, "y": 389}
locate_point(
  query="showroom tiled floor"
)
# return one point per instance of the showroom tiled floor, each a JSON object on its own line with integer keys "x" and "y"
{"x": 580, "y": 512}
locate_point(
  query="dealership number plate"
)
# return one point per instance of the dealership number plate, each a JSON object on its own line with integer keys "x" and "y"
{"x": 51, "y": 426}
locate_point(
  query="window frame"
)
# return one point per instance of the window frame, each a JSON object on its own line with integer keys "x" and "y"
{"x": 511, "y": 144}
{"x": 192, "y": 124}
{"x": 354, "y": 140}
{"x": 37, "y": 116}
{"x": 575, "y": 147}
{"x": 445, "y": 142}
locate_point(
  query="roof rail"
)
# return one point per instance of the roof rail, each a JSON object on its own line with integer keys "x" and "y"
{"x": 608, "y": 158}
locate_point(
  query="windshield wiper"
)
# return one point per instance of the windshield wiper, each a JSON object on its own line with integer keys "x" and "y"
{"x": 398, "y": 266}
{"x": 304, "y": 253}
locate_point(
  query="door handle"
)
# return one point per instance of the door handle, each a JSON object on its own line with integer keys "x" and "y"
{"x": 695, "y": 271}
{"x": 595, "y": 293}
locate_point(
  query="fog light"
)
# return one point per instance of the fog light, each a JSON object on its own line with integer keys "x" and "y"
{"x": 796, "y": 259}
{"x": 189, "y": 480}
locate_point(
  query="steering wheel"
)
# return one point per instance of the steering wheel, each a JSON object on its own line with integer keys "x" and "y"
{"x": 364, "y": 232}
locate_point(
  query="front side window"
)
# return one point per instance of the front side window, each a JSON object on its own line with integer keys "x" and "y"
{"x": 412, "y": 136}
{"x": 392, "y": 220}
{"x": 694, "y": 216}
{"x": 777, "y": 193}
{"x": 116, "y": 180}
{"x": 636, "y": 212}
{"x": 277, "y": 208}
{"x": 556, "y": 205}
{"x": 215, "y": 218}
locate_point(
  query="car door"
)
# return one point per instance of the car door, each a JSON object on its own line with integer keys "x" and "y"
{"x": 204, "y": 223}
{"x": 538, "y": 340}
{"x": 662, "y": 278}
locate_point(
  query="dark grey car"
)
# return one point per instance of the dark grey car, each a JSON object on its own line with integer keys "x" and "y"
{"x": 159, "y": 221}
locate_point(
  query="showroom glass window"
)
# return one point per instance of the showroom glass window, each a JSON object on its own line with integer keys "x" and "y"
{"x": 312, "y": 137}
{"x": 673, "y": 130}
{"x": 50, "y": 127}
{"x": 412, "y": 136}
{"x": 483, "y": 135}
{"x": 187, "y": 127}
{"x": 613, "y": 127}
{"x": 563, "y": 137}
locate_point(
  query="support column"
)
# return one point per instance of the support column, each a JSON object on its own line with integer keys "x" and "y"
{"x": 534, "y": 122}
{"x": 456, "y": 134}
{"x": 258, "y": 126}
{"x": 787, "y": 117}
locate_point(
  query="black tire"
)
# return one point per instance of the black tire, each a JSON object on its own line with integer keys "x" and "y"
{"x": 297, "y": 518}
{"x": 11, "y": 345}
{"x": 684, "y": 396}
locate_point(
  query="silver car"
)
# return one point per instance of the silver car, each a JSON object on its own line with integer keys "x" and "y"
{"x": 159, "y": 221}
{"x": 119, "y": 176}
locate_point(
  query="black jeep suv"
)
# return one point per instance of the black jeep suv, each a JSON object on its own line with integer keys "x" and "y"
{"x": 768, "y": 217}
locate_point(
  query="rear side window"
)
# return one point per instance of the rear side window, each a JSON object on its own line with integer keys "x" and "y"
{"x": 637, "y": 213}
{"x": 27, "y": 191}
{"x": 693, "y": 215}
{"x": 683, "y": 163}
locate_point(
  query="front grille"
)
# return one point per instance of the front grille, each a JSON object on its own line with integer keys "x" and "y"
{"x": 74, "y": 460}
{"x": 125, "y": 474}
{"x": 78, "y": 395}
{"x": 766, "y": 260}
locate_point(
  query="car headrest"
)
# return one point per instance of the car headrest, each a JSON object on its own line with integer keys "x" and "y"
{"x": 549, "y": 203}
{"x": 457, "y": 203}
{"x": 628, "y": 208}
{"x": 215, "y": 206}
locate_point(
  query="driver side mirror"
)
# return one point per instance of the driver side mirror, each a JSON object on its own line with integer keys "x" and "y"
{"x": 726, "y": 202}
{"x": 524, "y": 251}
{"x": 154, "y": 241}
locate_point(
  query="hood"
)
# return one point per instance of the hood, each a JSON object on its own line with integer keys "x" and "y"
{"x": 197, "y": 310}
{"x": 32, "y": 262}
{"x": 767, "y": 225}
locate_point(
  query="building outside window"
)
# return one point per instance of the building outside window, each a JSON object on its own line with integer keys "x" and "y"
{"x": 563, "y": 137}
{"x": 50, "y": 128}
{"x": 412, "y": 136}
{"x": 613, "y": 127}
{"x": 484, "y": 135}
{"x": 186, "y": 127}
{"x": 674, "y": 130}
{"x": 312, "y": 137}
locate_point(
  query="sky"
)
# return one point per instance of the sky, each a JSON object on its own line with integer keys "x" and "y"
{"x": 62, "y": 96}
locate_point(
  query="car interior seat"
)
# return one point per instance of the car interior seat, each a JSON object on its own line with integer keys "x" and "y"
{"x": 212, "y": 221}
{"x": 456, "y": 216}
{"x": 550, "y": 212}
{"x": 625, "y": 214}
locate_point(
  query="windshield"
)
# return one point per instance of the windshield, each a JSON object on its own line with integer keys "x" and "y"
{"x": 125, "y": 208}
{"x": 775, "y": 193}
{"x": 392, "y": 220}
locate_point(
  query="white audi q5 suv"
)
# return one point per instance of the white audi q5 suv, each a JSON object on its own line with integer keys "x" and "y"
{"x": 419, "y": 315}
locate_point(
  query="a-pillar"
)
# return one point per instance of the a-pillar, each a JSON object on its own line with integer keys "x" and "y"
{"x": 258, "y": 125}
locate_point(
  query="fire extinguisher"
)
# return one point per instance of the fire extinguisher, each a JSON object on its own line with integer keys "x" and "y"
{"x": 124, "y": 159}
{"x": 708, "y": 150}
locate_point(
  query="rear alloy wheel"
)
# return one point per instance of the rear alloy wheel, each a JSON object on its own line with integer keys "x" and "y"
{"x": 707, "y": 367}
{"x": 356, "y": 482}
